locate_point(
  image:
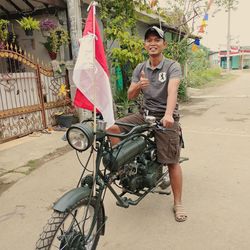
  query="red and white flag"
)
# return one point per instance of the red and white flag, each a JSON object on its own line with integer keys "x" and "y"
{"x": 91, "y": 75}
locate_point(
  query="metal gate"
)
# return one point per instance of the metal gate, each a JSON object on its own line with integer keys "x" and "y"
{"x": 29, "y": 94}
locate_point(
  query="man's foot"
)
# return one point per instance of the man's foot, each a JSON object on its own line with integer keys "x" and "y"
{"x": 179, "y": 213}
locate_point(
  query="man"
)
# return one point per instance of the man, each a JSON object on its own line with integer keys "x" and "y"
{"x": 158, "y": 79}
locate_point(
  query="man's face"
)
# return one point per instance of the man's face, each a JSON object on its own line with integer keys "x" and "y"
{"x": 154, "y": 45}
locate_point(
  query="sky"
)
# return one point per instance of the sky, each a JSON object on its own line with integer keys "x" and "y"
{"x": 215, "y": 36}
{"x": 216, "y": 31}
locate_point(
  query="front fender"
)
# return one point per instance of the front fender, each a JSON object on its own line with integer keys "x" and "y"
{"x": 69, "y": 199}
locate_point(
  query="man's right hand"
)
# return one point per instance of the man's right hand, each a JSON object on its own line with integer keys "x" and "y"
{"x": 144, "y": 82}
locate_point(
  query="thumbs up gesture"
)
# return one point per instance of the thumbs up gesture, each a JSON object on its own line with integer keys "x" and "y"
{"x": 144, "y": 82}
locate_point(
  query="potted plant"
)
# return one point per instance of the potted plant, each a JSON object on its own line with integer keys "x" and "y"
{"x": 29, "y": 24}
{"x": 3, "y": 32}
{"x": 47, "y": 25}
{"x": 57, "y": 38}
{"x": 122, "y": 103}
{"x": 50, "y": 48}
{"x": 68, "y": 115}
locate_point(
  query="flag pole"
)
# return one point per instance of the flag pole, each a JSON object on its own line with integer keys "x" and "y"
{"x": 94, "y": 4}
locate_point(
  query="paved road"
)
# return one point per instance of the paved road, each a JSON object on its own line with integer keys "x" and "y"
{"x": 216, "y": 126}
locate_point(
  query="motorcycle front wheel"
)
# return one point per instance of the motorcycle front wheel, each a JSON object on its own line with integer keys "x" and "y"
{"x": 71, "y": 229}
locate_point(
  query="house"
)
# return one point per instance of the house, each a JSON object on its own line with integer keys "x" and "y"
{"x": 214, "y": 59}
{"x": 239, "y": 58}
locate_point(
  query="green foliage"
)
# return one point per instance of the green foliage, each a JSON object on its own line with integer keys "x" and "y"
{"x": 3, "y": 30}
{"x": 177, "y": 51}
{"x": 119, "y": 28}
{"x": 199, "y": 71}
{"x": 122, "y": 103}
{"x": 198, "y": 60}
{"x": 29, "y": 23}
{"x": 200, "y": 78}
{"x": 57, "y": 38}
{"x": 182, "y": 91}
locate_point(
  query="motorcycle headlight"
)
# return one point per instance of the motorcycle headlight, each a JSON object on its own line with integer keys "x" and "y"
{"x": 80, "y": 136}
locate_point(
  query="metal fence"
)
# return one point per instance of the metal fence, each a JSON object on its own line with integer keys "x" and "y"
{"x": 29, "y": 94}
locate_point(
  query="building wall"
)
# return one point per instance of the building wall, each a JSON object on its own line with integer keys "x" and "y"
{"x": 246, "y": 61}
{"x": 214, "y": 60}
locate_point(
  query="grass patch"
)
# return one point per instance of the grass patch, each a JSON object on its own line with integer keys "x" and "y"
{"x": 209, "y": 78}
{"x": 203, "y": 78}
{"x": 197, "y": 79}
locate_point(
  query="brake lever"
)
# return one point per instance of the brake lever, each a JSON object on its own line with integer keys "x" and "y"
{"x": 159, "y": 126}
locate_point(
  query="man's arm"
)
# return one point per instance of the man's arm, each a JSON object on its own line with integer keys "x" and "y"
{"x": 173, "y": 86}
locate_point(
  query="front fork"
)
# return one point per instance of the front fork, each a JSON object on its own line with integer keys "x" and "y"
{"x": 96, "y": 183}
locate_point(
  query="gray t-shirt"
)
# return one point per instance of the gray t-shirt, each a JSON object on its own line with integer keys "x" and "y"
{"x": 155, "y": 95}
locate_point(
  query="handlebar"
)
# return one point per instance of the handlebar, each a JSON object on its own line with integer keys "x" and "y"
{"x": 137, "y": 128}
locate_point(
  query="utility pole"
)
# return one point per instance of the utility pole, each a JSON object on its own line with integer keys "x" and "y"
{"x": 228, "y": 35}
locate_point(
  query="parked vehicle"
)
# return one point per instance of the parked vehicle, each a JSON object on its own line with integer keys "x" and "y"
{"x": 79, "y": 217}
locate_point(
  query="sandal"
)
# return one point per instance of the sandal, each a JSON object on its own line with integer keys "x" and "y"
{"x": 179, "y": 213}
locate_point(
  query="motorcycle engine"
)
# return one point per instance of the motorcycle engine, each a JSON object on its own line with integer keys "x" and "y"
{"x": 143, "y": 172}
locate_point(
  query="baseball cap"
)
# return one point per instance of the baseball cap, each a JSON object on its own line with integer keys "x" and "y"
{"x": 154, "y": 30}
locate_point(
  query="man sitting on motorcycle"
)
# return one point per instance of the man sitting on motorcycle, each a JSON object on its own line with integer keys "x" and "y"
{"x": 158, "y": 79}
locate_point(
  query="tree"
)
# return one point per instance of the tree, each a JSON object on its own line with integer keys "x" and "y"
{"x": 119, "y": 23}
{"x": 232, "y": 4}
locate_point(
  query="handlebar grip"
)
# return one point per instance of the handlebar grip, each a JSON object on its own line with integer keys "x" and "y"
{"x": 125, "y": 124}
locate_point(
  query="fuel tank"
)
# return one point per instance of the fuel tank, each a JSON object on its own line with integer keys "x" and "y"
{"x": 124, "y": 153}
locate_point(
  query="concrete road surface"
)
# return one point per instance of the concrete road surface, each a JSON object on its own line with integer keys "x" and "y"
{"x": 216, "y": 193}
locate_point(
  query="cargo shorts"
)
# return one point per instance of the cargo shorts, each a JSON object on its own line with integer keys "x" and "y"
{"x": 168, "y": 142}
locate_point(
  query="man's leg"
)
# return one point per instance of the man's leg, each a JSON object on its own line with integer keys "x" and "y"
{"x": 115, "y": 130}
{"x": 135, "y": 119}
{"x": 175, "y": 175}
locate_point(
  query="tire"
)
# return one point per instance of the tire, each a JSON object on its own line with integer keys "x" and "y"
{"x": 58, "y": 233}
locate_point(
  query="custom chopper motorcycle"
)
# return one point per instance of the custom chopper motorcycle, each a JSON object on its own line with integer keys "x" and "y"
{"x": 79, "y": 218}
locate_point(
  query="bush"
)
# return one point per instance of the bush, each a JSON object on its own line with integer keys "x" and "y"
{"x": 182, "y": 91}
{"x": 199, "y": 78}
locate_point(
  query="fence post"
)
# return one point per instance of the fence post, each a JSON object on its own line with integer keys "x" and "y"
{"x": 40, "y": 93}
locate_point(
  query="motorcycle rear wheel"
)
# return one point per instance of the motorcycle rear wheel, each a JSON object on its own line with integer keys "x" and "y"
{"x": 68, "y": 230}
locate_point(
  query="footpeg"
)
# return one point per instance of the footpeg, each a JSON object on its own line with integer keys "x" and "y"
{"x": 166, "y": 192}
{"x": 125, "y": 202}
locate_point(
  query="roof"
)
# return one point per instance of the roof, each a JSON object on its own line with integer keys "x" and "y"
{"x": 11, "y": 9}
{"x": 153, "y": 19}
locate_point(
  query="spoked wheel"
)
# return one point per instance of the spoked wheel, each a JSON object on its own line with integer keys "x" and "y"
{"x": 79, "y": 228}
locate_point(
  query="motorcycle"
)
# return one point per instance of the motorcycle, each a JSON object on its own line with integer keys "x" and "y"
{"x": 79, "y": 217}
